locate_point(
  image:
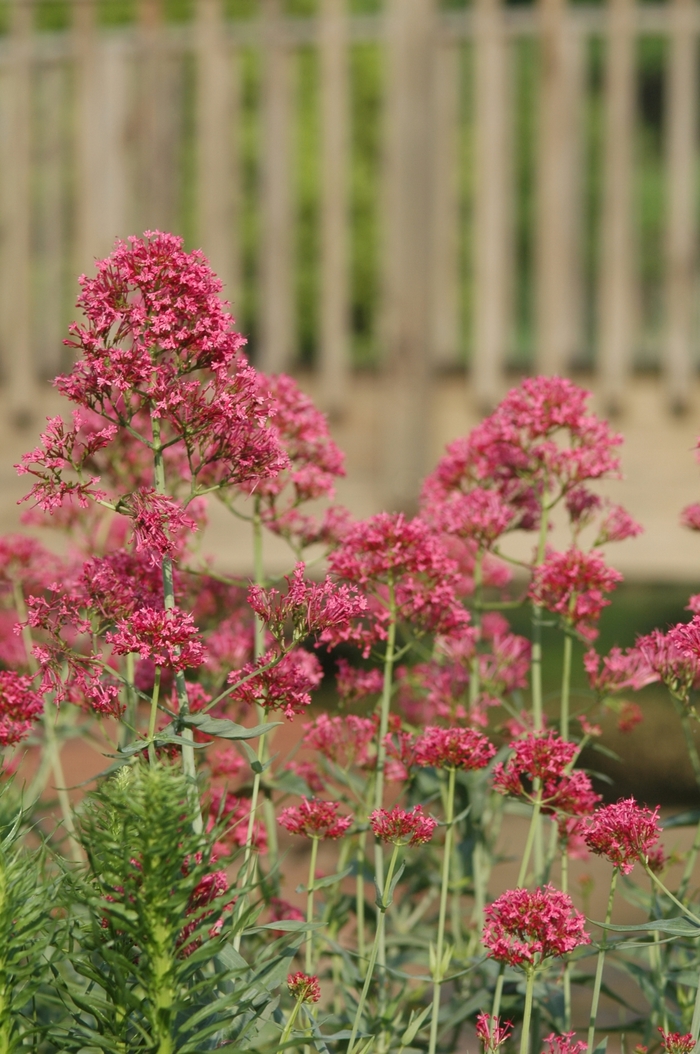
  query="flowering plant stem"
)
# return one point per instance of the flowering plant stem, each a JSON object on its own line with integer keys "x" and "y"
{"x": 676, "y": 901}
{"x": 527, "y": 851}
{"x": 600, "y": 963}
{"x": 565, "y": 688}
{"x": 378, "y": 937}
{"x": 188, "y": 762}
{"x": 290, "y": 1023}
{"x": 536, "y": 673}
{"x": 152, "y": 719}
{"x": 51, "y": 746}
{"x": 308, "y": 965}
{"x": 385, "y": 705}
{"x": 567, "y": 964}
{"x": 444, "y": 886}
{"x": 527, "y": 1011}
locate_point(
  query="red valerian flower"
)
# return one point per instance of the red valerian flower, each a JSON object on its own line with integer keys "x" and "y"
{"x": 690, "y": 517}
{"x": 564, "y": 1044}
{"x": 354, "y": 683}
{"x": 453, "y": 748}
{"x": 535, "y": 756}
{"x": 314, "y": 818}
{"x": 630, "y": 715}
{"x": 572, "y": 585}
{"x": 674, "y": 664}
{"x": 524, "y": 927}
{"x": 675, "y": 1043}
{"x": 402, "y": 827}
{"x": 624, "y": 832}
{"x": 620, "y": 670}
{"x": 311, "y": 608}
{"x": 20, "y": 707}
{"x": 168, "y": 638}
{"x": 491, "y": 1032}
{"x": 156, "y": 520}
{"x": 343, "y": 740}
{"x": 286, "y": 686}
{"x": 480, "y": 515}
{"x": 304, "y": 987}
{"x": 617, "y": 526}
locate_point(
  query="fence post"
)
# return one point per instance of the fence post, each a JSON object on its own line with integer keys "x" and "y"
{"x": 216, "y": 177}
{"x": 558, "y": 305}
{"x": 616, "y": 275}
{"x": 407, "y": 196}
{"x": 275, "y": 305}
{"x": 335, "y": 160}
{"x": 493, "y": 192}
{"x": 17, "y": 363}
{"x": 681, "y": 226}
{"x": 444, "y": 261}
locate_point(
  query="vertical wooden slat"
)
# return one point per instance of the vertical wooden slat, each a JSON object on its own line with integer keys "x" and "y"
{"x": 156, "y": 117}
{"x": 50, "y": 220}
{"x": 444, "y": 256}
{"x": 558, "y": 302}
{"x": 493, "y": 192}
{"x": 276, "y": 299}
{"x": 214, "y": 142}
{"x": 114, "y": 117}
{"x": 17, "y": 364}
{"x": 88, "y": 131}
{"x": 335, "y": 158}
{"x": 616, "y": 274}
{"x": 407, "y": 196}
{"x": 681, "y": 228}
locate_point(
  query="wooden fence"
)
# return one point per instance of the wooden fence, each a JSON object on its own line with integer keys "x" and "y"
{"x": 91, "y": 122}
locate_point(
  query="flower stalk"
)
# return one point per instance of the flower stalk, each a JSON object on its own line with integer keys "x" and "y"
{"x": 444, "y": 887}
{"x": 599, "y": 965}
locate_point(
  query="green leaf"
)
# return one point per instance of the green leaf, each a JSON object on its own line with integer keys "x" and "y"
{"x": 290, "y": 925}
{"x": 329, "y": 880}
{"x": 682, "y": 819}
{"x": 677, "y": 926}
{"x": 225, "y": 729}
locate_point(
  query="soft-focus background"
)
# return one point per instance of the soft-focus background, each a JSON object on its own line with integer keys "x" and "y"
{"x": 411, "y": 203}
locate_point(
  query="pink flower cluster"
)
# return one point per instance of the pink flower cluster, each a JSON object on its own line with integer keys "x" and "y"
{"x": 524, "y": 927}
{"x": 573, "y": 584}
{"x": 167, "y": 638}
{"x": 20, "y": 707}
{"x": 315, "y": 819}
{"x": 675, "y": 1043}
{"x": 304, "y": 987}
{"x": 310, "y": 608}
{"x": 624, "y": 832}
{"x": 402, "y": 826}
{"x": 455, "y": 748}
{"x": 491, "y": 1032}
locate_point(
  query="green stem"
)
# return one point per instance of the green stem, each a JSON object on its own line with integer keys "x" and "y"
{"x": 498, "y": 993}
{"x": 444, "y": 886}
{"x": 567, "y": 964}
{"x": 188, "y": 762}
{"x": 527, "y": 1012}
{"x": 599, "y": 965}
{"x": 360, "y": 895}
{"x": 290, "y": 1024}
{"x": 684, "y": 908}
{"x": 690, "y": 864}
{"x": 534, "y": 824}
{"x": 375, "y": 948}
{"x": 308, "y": 962}
{"x": 152, "y": 719}
{"x": 566, "y": 688}
{"x": 695, "y": 1024}
{"x": 129, "y": 726}
{"x": 385, "y": 706}
{"x": 51, "y": 746}
{"x": 536, "y": 662}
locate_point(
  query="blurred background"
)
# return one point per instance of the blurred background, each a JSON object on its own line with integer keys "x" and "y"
{"x": 411, "y": 204}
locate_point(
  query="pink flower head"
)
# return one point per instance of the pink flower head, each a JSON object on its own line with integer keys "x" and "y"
{"x": 480, "y": 515}
{"x": 168, "y": 638}
{"x": 624, "y": 832}
{"x": 629, "y": 716}
{"x": 402, "y": 827}
{"x": 617, "y": 526}
{"x": 285, "y": 686}
{"x": 675, "y": 1043}
{"x": 343, "y": 740}
{"x": 491, "y": 1032}
{"x": 620, "y": 670}
{"x": 310, "y": 608}
{"x": 690, "y": 517}
{"x": 20, "y": 707}
{"x": 572, "y": 585}
{"x": 564, "y": 1044}
{"x": 157, "y": 521}
{"x": 524, "y": 927}
{"x": 354, "y": 683}
{"x": 536, "y": 756}
{"x": 454, "y": 748}
{"x": 315, "y": 819}
{"x": 671, "y": 660}
{"x": 304, "y": 987}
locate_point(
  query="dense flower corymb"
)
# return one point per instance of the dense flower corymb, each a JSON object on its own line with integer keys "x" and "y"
{"x": 573, "y": 584}
{"x": 536, "y": 756}
{"x": 168, "y": 638}
{"x": 564, "y": 1044}
{"x": 402, "y": 827}
{"x": 315, "y": 819}
{"x": 624, "y": 832}
{"x": 675, "y": 1043}
{"x": 457, "y": 748}
{"x": 523, "y": 927}
{"x": 20, "y": 707}
{"x": 304, "y": 987}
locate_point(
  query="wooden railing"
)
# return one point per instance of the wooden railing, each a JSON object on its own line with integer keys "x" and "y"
{"x": 93, "y": 122}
